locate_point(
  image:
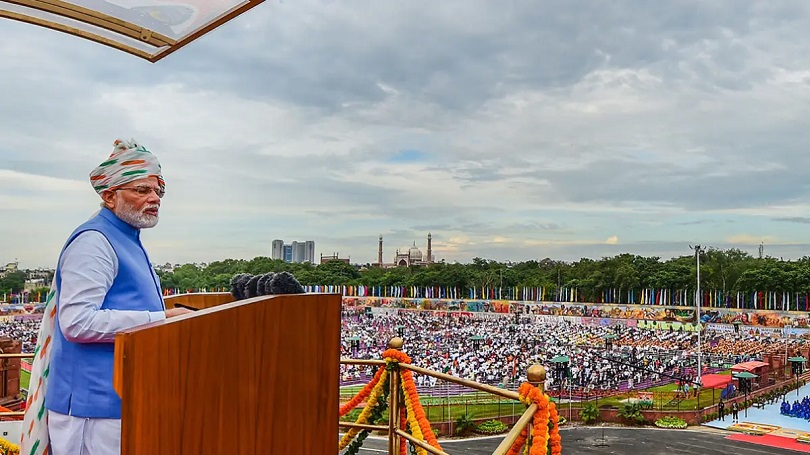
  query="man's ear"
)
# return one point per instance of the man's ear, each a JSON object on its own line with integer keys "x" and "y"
{"x": 108, "y": 198}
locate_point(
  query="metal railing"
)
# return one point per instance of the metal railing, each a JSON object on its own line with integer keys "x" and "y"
{"x": 536, "y": 375}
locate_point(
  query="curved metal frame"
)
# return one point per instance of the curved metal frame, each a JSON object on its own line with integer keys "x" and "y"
{"x": 158, "y": 44}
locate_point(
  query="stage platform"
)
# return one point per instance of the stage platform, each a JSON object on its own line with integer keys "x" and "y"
{"x": 766, "y": 426}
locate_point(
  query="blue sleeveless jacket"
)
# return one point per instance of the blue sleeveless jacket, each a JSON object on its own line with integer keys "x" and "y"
{"x": 80, "y": 376}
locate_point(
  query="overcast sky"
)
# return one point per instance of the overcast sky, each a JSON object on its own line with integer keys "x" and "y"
{"x": 511, "y": 130}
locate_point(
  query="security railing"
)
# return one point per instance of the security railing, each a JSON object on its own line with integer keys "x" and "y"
{"x": 393, "y": 385}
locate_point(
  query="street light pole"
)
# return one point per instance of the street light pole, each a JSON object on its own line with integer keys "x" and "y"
{"x": 570, "y": 399}
{"x": 500, "y": 288}
{"x": 698, "y": 251}
{"x": 787, "y": 340}
{"x": 747, "y": 388}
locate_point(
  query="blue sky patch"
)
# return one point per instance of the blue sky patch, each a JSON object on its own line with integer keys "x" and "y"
{"x": 408, "y": 156}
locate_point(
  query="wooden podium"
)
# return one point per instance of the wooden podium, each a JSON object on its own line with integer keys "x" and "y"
{"x": 257, "y": 376}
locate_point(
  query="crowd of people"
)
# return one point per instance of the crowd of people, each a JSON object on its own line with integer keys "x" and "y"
{"x": 499, "y": 350}
{"x": 800, "y": 409}
{"x": 23, "y": 330}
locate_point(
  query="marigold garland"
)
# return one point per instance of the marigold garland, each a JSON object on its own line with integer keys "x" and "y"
{"x": 376, "y": 414}
{"x": 420, "y": 425}
{"x": 9, "y": 448}
{"x": 362, "y": 394}
{"x": 539, "y": 432}
{"x": 418, "y": 413}
{"x": 545, "y": 432}
{"x": 414, "y": 424}
{"x": 519, "y": 443}
{"x": 363, "y": 417}
{"x": 554, "y": 433}
{"x": 396, "y": 356}
{"x": 412, "y": 415}
{"x": 403, "y": 425}
{"x": 543, "y": 439}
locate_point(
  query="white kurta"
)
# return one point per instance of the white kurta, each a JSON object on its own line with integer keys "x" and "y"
{"x": 89, "y": 267}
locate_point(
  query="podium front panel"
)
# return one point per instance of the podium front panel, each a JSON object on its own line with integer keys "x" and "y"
{"x": 258, "y": 376}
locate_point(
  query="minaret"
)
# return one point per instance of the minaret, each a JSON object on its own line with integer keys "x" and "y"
{"x": 430, "y": 250}
{"x": 379, "y": 253}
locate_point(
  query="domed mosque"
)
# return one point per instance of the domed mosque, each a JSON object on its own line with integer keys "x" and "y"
{"x": 405, "y": 258}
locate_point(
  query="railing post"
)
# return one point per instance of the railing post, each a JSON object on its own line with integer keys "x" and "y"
{"x": 393, "y": 402}
{"x": 536, "y": 376}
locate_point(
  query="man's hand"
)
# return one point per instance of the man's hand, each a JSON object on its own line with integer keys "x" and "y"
{"x": 177, "y": 312}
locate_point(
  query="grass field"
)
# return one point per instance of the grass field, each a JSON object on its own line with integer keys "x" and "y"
{"x": 476, "y": 406}
{"x": 691, "y": 403}
{"x": 439, "y": 413}
{"x": 25, "y": 378}
{"x": 481, "y": 406}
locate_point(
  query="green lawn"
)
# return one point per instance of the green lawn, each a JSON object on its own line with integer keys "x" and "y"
{"x": 483, "y": 405}
{"x": 350, "y": 390}
{"x": 25, "y": 378}
{"x": 708, "y": 397}
{"x": 439, "y": 413}
{"x": 477, "y": 406}
{"x": 437, "y": 409}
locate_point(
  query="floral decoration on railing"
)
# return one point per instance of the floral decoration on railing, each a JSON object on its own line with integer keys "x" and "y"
{"x": 418, "y": 423}
{"x": 8, "y": 448}
{"x": 412, "y": 416}
{"x": 544, "y": 437}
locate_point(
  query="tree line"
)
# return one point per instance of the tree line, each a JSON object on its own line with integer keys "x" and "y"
{"x": 725, "y": 271}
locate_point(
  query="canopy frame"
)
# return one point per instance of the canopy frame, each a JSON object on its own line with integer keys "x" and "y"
{"x": 108, "y": 30}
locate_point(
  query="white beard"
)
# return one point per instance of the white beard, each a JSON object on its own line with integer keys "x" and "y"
{"x": 136, "y": 219}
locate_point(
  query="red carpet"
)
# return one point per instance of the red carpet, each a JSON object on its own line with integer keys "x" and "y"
{"x": 772, "y": 441}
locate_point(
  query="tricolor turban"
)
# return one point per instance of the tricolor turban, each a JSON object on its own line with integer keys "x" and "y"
{"x": 128, "y": 162}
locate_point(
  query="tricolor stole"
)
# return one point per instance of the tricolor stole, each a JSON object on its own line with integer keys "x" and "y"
{"x": 35, "y": 439}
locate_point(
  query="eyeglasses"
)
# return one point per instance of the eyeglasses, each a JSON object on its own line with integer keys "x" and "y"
{"x": 144, "y": 191}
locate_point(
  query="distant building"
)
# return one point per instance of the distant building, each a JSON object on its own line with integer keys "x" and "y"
{"x": 11, "y": 267}
{"x": 298, "y": 252}
{"x": 45, "y": 274}
{"x": 334, "y": 257}
{"x": 412, "y": 256}
{"x": 278, "y": 249}
{"x": 34, "y": 283}
{"x": 167, "y": 267}
{"x": 294, "y": 252}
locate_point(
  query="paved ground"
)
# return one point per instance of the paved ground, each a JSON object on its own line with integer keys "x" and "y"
{"x": 617, "y": 441}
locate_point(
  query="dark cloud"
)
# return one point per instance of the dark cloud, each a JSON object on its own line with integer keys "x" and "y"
{"x": 456, "y": 55}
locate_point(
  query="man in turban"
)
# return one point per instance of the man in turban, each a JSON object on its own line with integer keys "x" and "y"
{"x": 104, "y": 284}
